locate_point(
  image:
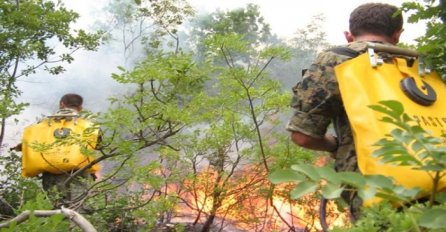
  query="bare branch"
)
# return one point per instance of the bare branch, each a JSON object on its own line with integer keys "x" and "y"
{"x": 74, "y": 216}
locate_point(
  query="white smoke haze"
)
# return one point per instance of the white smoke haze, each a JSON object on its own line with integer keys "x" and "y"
{"x": 90, "y": 73}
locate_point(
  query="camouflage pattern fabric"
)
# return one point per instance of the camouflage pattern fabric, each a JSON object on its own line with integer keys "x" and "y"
{"x": 70, "y": 195}
{"x": 317, "y": 103}
{"x": 73, "y": 194}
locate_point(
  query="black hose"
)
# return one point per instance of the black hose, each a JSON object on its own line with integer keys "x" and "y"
{"x": 323, "y": 214}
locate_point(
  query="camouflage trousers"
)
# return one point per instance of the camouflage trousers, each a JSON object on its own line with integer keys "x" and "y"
{"x": 354, "y": 203}
{"x": 70, "y": 195}
{"x": 346, "y": 161}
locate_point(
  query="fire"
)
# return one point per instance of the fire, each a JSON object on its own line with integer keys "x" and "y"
{"x": 246, "y": 200}
{"x": 243, "y": 201}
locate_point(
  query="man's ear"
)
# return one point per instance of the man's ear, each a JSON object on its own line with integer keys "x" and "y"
{"x": 396, "y": 36}
{"x": 348, "y": 36}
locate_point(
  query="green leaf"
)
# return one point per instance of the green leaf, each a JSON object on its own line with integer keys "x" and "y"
{"x": 391, "y": 108}
{"x": 309, "y": 170}
{"x": 385, "y": 151}
{"x": 286, "y": 175}
{"x": 441, "y": 197}
{"x": 379, "y": 181}
{"x": 398, "y": 194}
{"x": 434, "y": 219}
{"x": 329, "y": 174}
{"x": 411, "y": 193}
{"x": 396, "y": 106}
{"x": 417, "y": 146}
{"x": 399, "y": 135}
{"x": 276, "y": 51}
{"x": 406, "y": 118}
{"x": 121, "y": 68}
{"x": 389, "y": 196}
{"x": 367, "y": 192}
{"x": 401, "y": 159}
{"x": 353, "y": 178}
{"x": 432, "y": 167}
{"x": 379, "y": 108}
{"x": 331, "y": 191}
{"x": 388, "y": 120}
{"x": 303, "y": 188}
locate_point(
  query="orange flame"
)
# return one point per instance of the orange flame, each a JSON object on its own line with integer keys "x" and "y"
{"x": 242, "y": 201}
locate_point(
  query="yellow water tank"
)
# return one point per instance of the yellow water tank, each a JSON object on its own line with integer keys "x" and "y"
{"x": 58, "y": 145}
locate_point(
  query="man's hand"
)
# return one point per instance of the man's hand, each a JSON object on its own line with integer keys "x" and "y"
{"x": 17, "y": 147}
{"x": 327, "y": 143}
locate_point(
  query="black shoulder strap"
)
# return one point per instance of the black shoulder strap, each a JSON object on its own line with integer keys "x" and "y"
{"x": 345, "y": 51}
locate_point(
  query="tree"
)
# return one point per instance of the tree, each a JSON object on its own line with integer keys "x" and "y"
{"x": 304, "y": 46}
{"x": 142, "y": 168}
{"x": 431, "y": 44}
{"x": 19, "y": 193}
{"x": 195, "y": 133}
{"x": 179, "y": 121}
{"x": 30, "y": 32}
{"x": 174, "y": 121}
{"x": 243, "y": 100}
{"x": 143, "y": 24}
{"x": 247, "y": 22}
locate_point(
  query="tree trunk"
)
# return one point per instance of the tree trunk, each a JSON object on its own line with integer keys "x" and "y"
{"x": 207, "y": 225}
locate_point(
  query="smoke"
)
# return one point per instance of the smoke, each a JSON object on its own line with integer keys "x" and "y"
{"x": 88, "y": 75}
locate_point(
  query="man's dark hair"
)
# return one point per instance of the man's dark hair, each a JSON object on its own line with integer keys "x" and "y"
{"x": 376, "y": 18}
{"x": 72, "y": 100}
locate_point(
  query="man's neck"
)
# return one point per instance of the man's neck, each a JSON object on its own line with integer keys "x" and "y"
{"x": 375, "y": 38}
{"x": 66, "y": 110}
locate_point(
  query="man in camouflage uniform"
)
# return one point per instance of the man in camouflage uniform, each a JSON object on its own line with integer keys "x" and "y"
{"x": 317, "y": 100}
{"x": 68, "y": 194}
{"x": 71, "y": 194}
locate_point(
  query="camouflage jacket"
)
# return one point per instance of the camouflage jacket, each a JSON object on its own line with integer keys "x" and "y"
{"x": 317, "y": 104}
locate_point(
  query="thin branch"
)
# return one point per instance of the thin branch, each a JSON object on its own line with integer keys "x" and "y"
{"x": 46, "y": 62}
{"x": 74, "y": 216}
{"x": 177, "y": 40}
{"x": 261, "y": 71}
{"x": 152, "y": 88}
{"x": 88, "y": 166}
{"x": 2, "y": 132}
{"x": 229, "y": 63}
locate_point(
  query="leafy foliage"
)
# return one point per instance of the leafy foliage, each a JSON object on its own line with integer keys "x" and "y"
{"x": 247, "y": 23}
{"x": 383, "y": 217}
{"x": 29, "y": 43}
{"x": 406, "y": 144}
{"x": 144, "y": 24}
{"x": 431, "y": 44}
{"x": 14, "y": 190}
{"x": 410, "y": 144}
{"x": 304, "y": 46}
{"x": 201, "y": 134}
